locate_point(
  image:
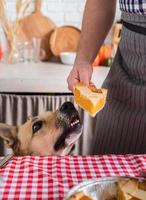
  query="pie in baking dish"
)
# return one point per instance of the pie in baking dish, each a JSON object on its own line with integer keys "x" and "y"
{"x": 128, "y": 189}
{"x": 79, "y": 196}
{"x": 131, "y": 190}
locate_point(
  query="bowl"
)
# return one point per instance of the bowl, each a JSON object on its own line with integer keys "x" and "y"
{"x": 68, "y": 58}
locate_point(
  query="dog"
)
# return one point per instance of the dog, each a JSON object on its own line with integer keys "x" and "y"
{"x": 52, "y": 133}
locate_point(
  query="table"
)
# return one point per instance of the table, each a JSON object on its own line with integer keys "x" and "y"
{"x": 52, "y": 177}
{"x": 41, "y": 77}
{"x": 29, "y": 89}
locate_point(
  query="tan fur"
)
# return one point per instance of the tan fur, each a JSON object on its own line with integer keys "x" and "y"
{"x": 24, "y": 142}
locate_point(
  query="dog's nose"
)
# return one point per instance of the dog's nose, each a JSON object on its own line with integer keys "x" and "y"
{"x": 67, "y": 106}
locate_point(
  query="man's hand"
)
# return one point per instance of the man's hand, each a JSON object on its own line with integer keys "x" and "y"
{"x": 97, "y": 20}
{"x": 80, "y": 73}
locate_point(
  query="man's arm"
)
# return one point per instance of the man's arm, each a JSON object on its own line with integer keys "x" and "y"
{"x": 97, "y": 21}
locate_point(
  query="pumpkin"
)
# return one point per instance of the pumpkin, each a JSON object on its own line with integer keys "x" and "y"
{"x": 96, "y": 61}
{"x": 103, "y": 54}
{"x": 1, "y": 52}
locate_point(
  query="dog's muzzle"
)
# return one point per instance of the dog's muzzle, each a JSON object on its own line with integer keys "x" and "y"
{"x": 71, "y": 115}
{"x": 69, "y": 121}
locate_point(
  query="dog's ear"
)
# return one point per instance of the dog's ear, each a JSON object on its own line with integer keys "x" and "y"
{"x": 8, "y": 134}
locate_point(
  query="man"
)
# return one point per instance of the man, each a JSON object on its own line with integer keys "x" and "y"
{"x": 121, "y": 125}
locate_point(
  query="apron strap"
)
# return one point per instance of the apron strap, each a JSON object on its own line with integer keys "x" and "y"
{"x": 135, "y": 28}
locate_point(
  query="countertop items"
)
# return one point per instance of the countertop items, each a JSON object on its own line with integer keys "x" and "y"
{"x": 37, "y": 25}
{"x": 1, "y": 52}
{"x": 64, "y": 38}
{"x": 41, "y": 77}
{"x": 68, "y": 58}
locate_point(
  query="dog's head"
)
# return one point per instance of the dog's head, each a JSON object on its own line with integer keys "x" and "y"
{"x": 52, "y": 133}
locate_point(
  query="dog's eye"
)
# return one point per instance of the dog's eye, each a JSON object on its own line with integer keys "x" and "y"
{"x": 37, "y": 126}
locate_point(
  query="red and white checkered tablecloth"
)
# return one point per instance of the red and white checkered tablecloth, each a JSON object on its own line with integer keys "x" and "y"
{"x": 52, "y": 177}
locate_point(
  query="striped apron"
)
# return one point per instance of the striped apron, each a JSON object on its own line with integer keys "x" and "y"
{"x": 121, "y": 125}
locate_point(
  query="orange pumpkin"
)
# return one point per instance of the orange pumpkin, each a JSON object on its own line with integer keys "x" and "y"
{"x": 96, "y": 61}
{"x": 1, "y": 52}
{"x": 103, "y": 54}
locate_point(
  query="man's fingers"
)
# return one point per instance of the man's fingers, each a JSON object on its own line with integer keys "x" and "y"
{"x": 84, "y": 78}
{"x": 71, "y": 84}
{"x": 80, "y": 74}
{"x": 72, "y": 80}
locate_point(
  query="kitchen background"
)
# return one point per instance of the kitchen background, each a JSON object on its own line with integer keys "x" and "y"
{"x": 30, "y": 89}
{"x": 62, "y": 12}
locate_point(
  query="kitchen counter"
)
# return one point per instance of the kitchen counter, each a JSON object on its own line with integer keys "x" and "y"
{"x": 41, "y": 77}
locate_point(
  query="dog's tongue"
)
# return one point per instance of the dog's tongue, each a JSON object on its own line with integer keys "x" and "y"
{"x": 72, "y": 138}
